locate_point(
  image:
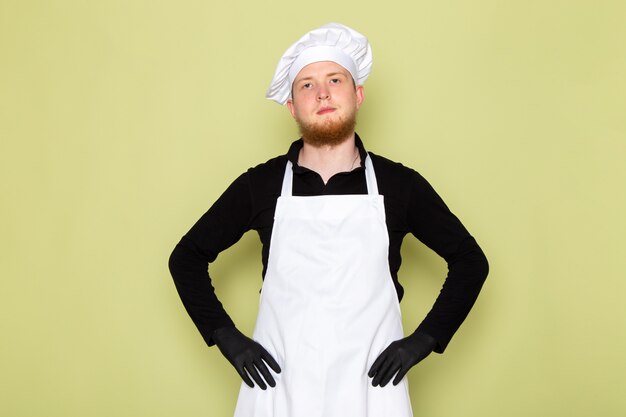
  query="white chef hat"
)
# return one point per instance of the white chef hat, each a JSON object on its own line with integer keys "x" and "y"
{"x": 331, "y": 42}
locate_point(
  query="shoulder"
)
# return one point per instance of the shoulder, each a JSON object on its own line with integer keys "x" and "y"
{"x": 272, "y": 168}
{"x": 389, "y": 166}
{"x": 395, "y": 177}
{"x": 265, "y": 179}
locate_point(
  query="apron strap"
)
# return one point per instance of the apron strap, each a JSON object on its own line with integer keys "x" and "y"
{"x": 287, "y": 180}
{"x": 370, "y": 179}
{"x": 370, "y": 176}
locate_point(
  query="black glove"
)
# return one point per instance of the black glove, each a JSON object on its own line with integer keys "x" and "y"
{"x": 246, "y": 355}
{"x": 399, "y": 357}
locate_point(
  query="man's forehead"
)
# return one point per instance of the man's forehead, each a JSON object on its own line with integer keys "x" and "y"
{"x": 321, "y": 68}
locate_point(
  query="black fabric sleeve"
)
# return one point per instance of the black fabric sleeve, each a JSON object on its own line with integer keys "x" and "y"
{"x": 218, "y": 229}
{"x": 433, "y": 224}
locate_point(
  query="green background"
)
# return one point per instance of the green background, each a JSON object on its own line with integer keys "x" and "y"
{"x": 122, "y": 121}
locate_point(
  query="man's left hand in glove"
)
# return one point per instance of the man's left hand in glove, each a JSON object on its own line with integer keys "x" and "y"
{"x": 399, "y": 357}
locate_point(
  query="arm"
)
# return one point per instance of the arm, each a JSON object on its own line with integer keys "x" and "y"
{"x": 218, "y": 229}
{"x": 435, "y": 226}
{"x": 430, "y": 220}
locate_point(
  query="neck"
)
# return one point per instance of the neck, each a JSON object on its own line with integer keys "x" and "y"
{"x": 329, "y": 160}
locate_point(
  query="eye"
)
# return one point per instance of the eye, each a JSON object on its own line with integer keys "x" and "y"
{"x": 335, "y": 81}
{"x": 307, "y": 85}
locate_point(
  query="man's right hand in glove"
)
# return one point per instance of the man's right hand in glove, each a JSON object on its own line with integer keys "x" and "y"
{"x": 246, "y": 355}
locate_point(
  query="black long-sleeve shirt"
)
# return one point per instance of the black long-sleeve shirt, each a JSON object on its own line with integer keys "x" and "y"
{"x": 411, "y": 206}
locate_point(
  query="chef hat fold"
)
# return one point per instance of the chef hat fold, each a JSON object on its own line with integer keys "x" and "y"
{"x": 332, "y": 42}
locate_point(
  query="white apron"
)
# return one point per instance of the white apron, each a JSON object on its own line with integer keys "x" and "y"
{"x": 328, "y": 308}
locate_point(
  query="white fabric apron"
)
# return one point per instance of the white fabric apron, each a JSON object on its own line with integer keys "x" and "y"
{"x": 328, "y": 308}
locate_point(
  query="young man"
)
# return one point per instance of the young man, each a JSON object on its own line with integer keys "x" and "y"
{"x": 331, "y": 218}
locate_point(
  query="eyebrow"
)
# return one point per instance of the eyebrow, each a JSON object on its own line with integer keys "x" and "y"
{"x": 327, "y": 75}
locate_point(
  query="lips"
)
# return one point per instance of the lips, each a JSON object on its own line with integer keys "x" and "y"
{"x": 325, "y": 110}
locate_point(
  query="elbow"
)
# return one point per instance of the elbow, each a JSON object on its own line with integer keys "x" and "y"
{"x": 177, "y": 261}
{"x": 471, "y": 259}
{"x": 173, "y": 261}
{"x": 483, "y": 266}
{"x": 479, "y": 262}
{"x": 185, "y": 262}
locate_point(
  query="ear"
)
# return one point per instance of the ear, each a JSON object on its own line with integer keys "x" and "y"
{"x": 360, "y": 96}
{"x": 291, "y": 107}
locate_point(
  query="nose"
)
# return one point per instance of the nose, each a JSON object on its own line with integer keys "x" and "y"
{"x": 322, "y": 93}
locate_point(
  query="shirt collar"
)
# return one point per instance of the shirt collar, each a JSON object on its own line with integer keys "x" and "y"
{"x": 294, "y": 151}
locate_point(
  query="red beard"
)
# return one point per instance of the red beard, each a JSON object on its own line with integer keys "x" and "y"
{"x": 329, "y": 132}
